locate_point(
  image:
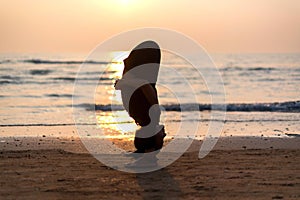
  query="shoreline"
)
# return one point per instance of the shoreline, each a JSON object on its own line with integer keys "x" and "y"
{"x": 75, "y": 145}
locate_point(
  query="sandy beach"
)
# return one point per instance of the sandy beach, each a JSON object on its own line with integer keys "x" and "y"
{"x": 237, "y": 168}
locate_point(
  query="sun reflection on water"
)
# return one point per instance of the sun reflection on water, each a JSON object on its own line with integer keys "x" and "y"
{"x": 115, "y": 124}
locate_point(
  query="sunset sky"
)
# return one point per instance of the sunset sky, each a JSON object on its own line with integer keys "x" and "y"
{"x": 224, "y": 26}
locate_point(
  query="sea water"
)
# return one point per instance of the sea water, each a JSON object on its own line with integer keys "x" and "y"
{"x": 262, "y": 94}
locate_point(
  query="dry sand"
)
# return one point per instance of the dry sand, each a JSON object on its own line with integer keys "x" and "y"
{"x": 238, "y": 168}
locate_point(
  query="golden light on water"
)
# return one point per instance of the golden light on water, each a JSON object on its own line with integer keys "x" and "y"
{"x": 117, "y": 67}
{"x": 114, "y": 71}
{"x": 115, "y": 124}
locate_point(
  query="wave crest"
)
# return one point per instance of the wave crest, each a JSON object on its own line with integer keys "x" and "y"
{"x": 290, "y": 106}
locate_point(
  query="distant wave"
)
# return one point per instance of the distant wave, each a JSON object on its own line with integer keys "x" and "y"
{"x": 7, "y": 79}
{"x": 7, "y": 82}
{"x": 40, "y": 71}
{"x": 75, "y": 62}
{"x": 82, "y": 79}
{"x": 42, "y": 61}
{"x": 5, "y": 61}
{"x": 236, "y": 68}
{"x": 68, "y": 62}
{"x": 18, "y": 80}
{"x": 291, "y": 106}
{"x": 59, "y": 95}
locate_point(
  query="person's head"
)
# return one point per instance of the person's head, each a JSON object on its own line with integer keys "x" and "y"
{"x": 145, "y": 53}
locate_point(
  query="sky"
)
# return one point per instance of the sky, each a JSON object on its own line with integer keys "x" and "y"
{"x": 220, "y": 26}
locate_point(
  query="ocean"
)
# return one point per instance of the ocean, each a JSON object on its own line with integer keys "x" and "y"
{"x": 262, "y": 95}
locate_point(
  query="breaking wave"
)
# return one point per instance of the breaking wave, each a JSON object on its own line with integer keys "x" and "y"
{"x": 290, "y": 106}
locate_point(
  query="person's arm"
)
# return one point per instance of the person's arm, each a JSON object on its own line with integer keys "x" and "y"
{"x": 129, "y": 82}
{"x": 146, "y": 88}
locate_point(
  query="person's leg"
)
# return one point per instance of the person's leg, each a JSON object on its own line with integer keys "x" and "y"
{"x": 159, "y": 138}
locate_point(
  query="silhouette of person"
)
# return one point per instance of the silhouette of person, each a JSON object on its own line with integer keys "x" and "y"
{"x": 139, "y": 95}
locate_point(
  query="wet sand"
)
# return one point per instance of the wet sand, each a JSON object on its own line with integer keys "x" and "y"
{"x": 237, "y": 168}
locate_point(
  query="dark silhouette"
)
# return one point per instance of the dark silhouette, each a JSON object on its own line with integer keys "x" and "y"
{"x": 139, "y": 95}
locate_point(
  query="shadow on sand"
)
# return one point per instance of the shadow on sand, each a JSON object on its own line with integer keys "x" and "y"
{"x": 158, "y": 185}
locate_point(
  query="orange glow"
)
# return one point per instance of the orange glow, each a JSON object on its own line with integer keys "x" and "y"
{"x": 220, "y": 26}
